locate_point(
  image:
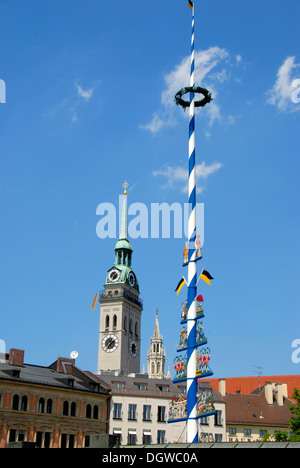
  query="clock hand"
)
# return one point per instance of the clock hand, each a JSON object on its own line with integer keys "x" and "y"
{"x": 111, "y": 341}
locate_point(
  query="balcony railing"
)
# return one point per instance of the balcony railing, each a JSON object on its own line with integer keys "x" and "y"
{"x": 117, "y": 294}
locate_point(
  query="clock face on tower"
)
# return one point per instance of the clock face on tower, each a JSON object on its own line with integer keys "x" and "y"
{"x": 131, "y": 278}
{"x": 133, "y": 348}
{"x": 110, "y": 343}
{"x": 114, "y": 275}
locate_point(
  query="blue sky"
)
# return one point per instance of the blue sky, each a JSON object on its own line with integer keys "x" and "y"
{"x": 89, "y": 103}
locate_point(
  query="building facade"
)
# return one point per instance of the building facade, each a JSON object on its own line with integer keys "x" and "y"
{"x": 251, "y": 416}
{"x": 51, "y": 407}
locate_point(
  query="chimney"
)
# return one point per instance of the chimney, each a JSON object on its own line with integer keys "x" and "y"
{"x": 65, "y": 365}
{"x": 269, "y": 393}
{"x": 16, "y": 357}
{"x": 279, "y": 393}
{"x": 222, "y": 387}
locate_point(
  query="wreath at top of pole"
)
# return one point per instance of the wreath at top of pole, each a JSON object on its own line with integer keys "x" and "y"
{"x": 193, "y": 89}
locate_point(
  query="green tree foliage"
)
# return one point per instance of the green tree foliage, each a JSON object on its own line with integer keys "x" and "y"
{"x": 295, "y": 420}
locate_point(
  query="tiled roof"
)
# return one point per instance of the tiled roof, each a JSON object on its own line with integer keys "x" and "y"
{"x": 39, "y": 375}
{"x": 253, "y": 409}
{"x": 246, "y": 385}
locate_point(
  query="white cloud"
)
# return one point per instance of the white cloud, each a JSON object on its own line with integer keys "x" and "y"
{"x": 281, "y": 95}
{"x": 212, "y": 69}
{"x": 86, "y": 94}
{"x": 177, "y": 177}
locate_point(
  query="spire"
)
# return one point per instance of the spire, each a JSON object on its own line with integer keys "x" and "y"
{"x": 156, "y": 333}
{"x": 124, "y": 223}
{"x": 123, "y": 244}
{"x": 156, "y": 358}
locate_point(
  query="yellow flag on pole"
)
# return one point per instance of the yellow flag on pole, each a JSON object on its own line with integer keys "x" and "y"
{"x": 94, "y": 302}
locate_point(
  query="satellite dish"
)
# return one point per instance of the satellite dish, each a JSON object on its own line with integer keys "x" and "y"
{"x": 74, "y": 354}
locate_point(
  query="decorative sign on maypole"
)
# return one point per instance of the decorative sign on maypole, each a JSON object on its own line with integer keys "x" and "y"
{"x": 194, "y": 364}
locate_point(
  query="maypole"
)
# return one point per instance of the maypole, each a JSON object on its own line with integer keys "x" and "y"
{"x": 195, "y": 365}
{"x": 192, "y": 433}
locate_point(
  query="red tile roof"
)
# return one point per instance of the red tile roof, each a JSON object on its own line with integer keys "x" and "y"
{"x": 246, "y": 385}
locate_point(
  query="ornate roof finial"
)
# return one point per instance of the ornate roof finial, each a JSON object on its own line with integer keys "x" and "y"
{"x": 125, "y": 185}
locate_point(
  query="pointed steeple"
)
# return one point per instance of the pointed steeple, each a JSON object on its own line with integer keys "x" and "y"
{"x": 156, "y": 335}
{"x": 123, "y": 245}
{"x": 122, "y": 271}
{"x": 156, "y": 354}
{"x": 124, "y": 223}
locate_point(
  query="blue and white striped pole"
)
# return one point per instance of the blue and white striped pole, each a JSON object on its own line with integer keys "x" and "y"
{"x": 192, "y": 428}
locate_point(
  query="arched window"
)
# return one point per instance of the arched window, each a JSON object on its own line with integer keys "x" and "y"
{"x": 95, "y": 412}
{"x": 49, "y": 406}
{"x": 125, "y": 323}
{"x": 41, "y": 406}
{"x": 152, "y": 368}
{"x": 136, "y": 328}
{"x": 15, "y": 402}
{"x": 114, "y": 322}
{"x": 73, "y": 409}
{"x": 66, "y": 408}
{"x": 107, "y": 322}
{"x": 130, "y": 325}
{"x": 24, "y": 403}
{"x": 88, "y": 411}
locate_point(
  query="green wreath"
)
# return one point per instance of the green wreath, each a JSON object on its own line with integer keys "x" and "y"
{"x": 193, "y": 89}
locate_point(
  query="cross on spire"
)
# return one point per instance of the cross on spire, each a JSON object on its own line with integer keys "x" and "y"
{"x": 125, "y": 185}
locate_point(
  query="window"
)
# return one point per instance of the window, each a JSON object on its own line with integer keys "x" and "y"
{"x": 49, "y": 406}
{"x": 119, "y": 385}
{"x": 73, "y": 409}
{"x": 95, "y": 412}
{"x": 67, "y": 440}
{"x": 163, "y": 388}
{"x": 41, "y": 406}
{"x": 131, "y": 437}
{"x": 66, "y": 408}
{"x": 136, "y": 329}
{"x": 262, "y": 432}
{"x": 114, "y": 322}
{"x": 161, "y": 414}
{"x": 247, "y": 432}
{"x": 204, "y": 420}
{"x": 146, "y": 413}
{"x": 141, "y": 386}
{"x": 147, "y": 437}
{"x": 16, "y": 435}
{"x": 161, "y": 435}
{"x": 88, "y": 411}
{"x": 125, "y": 323}
{"x": 117, "y": 411}
{"x": 15, "y": 403}
{"x": 43, "y": 439}
{"x": 218, "y": 437}
{"x": 232, "y": 431}
{"x": 218, "y": 418}
{"x": 24, "y": 403}
{"x": 71, "y": 383}
{"x": 107, "y": 322}
{"x": 131, "y": 411}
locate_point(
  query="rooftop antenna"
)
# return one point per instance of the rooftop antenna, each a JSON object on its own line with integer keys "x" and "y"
{"x": 259, "y": 373}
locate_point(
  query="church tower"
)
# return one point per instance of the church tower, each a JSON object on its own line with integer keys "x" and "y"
{"x": 156, "y": 359}
{"x": 120, "y": 310}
